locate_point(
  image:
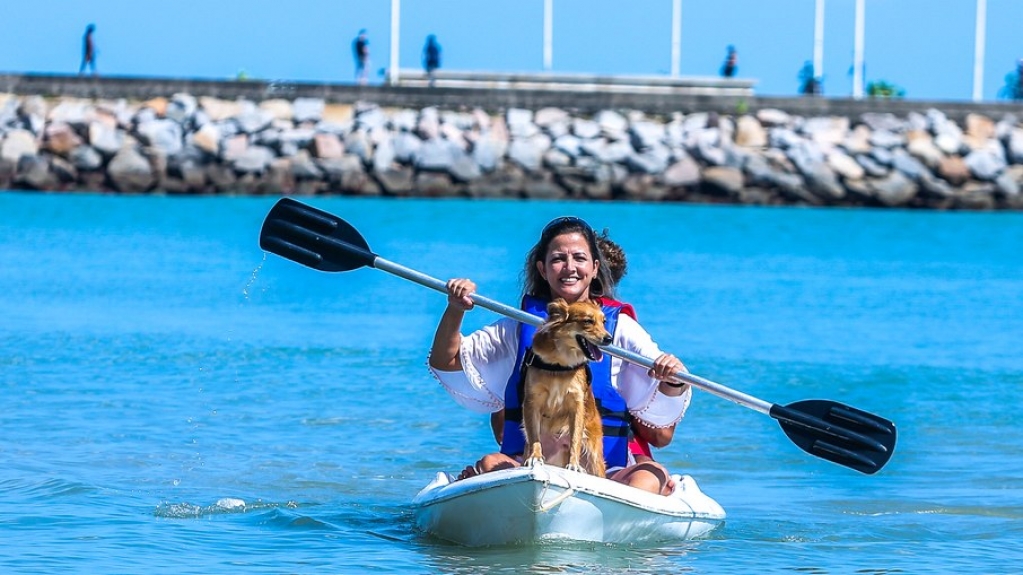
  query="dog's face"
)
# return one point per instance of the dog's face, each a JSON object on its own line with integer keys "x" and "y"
{"x": 576, "y": 328}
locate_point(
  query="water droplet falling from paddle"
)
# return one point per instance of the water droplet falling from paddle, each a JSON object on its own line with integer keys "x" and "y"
{"x": 253, "y": 278}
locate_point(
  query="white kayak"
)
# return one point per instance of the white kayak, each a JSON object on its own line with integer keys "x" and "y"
{"x": 541, "y": 503}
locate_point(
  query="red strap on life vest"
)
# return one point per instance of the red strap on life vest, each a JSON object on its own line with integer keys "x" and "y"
{"x": 625, "y": 307}
{"x": 637, "y": 445}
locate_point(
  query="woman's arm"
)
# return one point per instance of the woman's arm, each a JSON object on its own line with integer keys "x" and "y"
{"x": 487, "y": 358}
{"x": 656, "y": 436}
{"x": 444, "y": 354}
{"x": 650, "y": 393}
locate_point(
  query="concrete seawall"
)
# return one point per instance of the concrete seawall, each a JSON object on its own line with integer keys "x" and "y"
{"x": 708, "y": 142}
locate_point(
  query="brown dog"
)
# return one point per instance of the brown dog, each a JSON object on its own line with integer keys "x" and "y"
{"x": 559, "y": 414}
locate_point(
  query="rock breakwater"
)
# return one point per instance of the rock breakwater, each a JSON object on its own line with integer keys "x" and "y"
{"x": 306, "y": 146}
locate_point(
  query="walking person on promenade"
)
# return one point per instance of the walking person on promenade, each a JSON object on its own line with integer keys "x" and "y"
{"x": 1019, "y": 80}
{"x": 431, "y": 58}
{"x": 360, "y": 49}
{"x": 1013, "y": 88}
{"x": 731, "y": 65}
{"x": 809, "y": 84}
{"x": 88, "y": 51}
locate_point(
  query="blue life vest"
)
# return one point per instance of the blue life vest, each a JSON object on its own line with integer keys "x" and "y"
{"x": 614, "y": 413}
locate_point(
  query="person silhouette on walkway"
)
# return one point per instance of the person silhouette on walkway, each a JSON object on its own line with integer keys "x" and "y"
{"x": 88, "y": 51}
{"x": 431, "y": 58}
{"x": 1019, "y": 80}
{"x": 810, "y": 85}
{"x": 360, "y": 49}
{"x": 731, "y": 64}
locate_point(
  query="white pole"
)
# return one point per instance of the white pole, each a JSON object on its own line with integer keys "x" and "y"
{"x": 978, "y": 51}
{"x": 676, "y": 38}
{"x": 858, "y": 52}
{"x": 818, "y": 41}
{"x": 393, "y": 74}
{"x": 548, "y": 34}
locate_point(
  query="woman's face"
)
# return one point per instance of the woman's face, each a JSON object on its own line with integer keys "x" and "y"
{"x": 569, "y": 267}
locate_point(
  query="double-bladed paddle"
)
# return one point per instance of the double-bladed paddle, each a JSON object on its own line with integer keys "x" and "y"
{"x": 826, "y": 429}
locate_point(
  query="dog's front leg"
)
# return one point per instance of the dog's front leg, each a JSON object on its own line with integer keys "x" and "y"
{"x": 531, "y": 429}
{"x": 578, "y": 424}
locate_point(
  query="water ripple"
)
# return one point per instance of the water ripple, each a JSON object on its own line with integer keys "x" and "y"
{"x": 223, "y": 506}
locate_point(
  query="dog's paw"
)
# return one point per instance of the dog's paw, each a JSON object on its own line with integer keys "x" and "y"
{"x": 576, "y": 468}
{"x": 532, "y": 462}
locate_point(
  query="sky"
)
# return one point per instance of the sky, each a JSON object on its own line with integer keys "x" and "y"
{"x": 925, "y": 47}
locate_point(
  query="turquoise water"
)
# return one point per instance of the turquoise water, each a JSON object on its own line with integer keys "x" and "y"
{"x": 157, "y": 369}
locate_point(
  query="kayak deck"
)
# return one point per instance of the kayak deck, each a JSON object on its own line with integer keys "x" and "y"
{"x": 540, "y": 503}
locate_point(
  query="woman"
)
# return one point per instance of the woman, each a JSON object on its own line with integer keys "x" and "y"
{"x": 481, "y": 370}
{"x": 613, "y": 258}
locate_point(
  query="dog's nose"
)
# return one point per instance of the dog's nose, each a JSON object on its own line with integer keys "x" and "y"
{"x": 607, "y": 340}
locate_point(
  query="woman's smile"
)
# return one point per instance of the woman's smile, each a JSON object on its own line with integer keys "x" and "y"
{"x": 569, "y": 267}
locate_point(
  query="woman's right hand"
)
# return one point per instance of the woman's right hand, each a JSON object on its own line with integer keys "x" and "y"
{"x": 459, "y": 290}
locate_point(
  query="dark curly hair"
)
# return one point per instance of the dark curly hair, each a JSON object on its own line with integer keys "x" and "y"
{"x": 614, "y": 257}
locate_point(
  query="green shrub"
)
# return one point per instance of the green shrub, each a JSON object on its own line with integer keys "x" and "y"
{"x": 882, "y": 89}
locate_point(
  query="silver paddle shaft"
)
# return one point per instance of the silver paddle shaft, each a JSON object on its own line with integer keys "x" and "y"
{"x": 524, "y": 317}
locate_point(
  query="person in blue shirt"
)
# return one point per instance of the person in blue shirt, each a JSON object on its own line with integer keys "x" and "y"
{"x": 431, "y": 57}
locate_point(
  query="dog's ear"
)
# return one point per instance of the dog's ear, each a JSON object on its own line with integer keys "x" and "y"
{"x": 557, "y": 310}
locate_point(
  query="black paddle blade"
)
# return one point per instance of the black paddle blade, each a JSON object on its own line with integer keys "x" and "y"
{"x": 838, "y": 433}
{"x": 313, "y": 238}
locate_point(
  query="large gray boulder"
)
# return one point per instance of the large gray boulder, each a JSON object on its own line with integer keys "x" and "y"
{"x": 130, "y": 171}
{"x": 774, "y": 117}
{"x": 520, "y": 123}
{"x": 488, "y": 153}
{"x": 887, "y": 139}
{"x": 872, "y": 167}
{"x": 585, "y": 129}
{"x": 645, "y": 135}
{"x": 823, "y": 182}
{"x": 985, "y": 165}
{"x": 830, "y": 130}
{"x": 435, "y": 155}
{"x": 304, "y": 168}
{"x": 903, "y": 162}
{"x": 106, "y": 139}
{"x": 254, "y": 160}
{"x": 86, "y": 158}
{"x": 749, "y": 133}
{"x": 683, "y": 173}
{"x": 652, "y": 161}
{"x": 1014, "y": 145}
{"x": 307, "y": 110}
{"x": 406, "y": 146}
{"x": 845, "y": 166}
{"x": 922, "y": 148}
{"x": 728, "y": 181}
{"x": 181, "y": 108}
{"x": 370, "y": 118}
{"x": 529, "y": 152}
{"x": 34, "y": 172}
{"x": 895, "y": 190}
{"x": 384, "y": 154}
{"x": 76, "y": 113}
{"x": 164, "y": 135}
{"x": 613, "y": 125}
{"x": 547, "y": 118}
{"x": 463, "y": 168}
{"x": 18, "y": 143}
